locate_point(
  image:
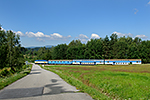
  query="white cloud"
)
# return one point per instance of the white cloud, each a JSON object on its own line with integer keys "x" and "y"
{"x": 69, "y": 36}
{"x": 141, "y": 36}
{"x": 131, "y": 35}
{"x": 56, "y": 35}
{"x": 135, "y": 11}
{"x": 38, "y": 34}
{"x": 20, "y": 33}
{"x": 41, "y": 36}
{"x": 148, "y": 3}
{"x": 30, "y": 34}
{"x": 95, "y": 36}
{"x": 121, "y": 34}
{"x": 83, "y": 37}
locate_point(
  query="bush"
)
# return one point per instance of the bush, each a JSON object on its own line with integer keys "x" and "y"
{"x": 5, "y": 72}
{"x": 24, "y": 66}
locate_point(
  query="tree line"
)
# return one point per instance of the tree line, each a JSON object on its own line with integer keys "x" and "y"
{"x": 104, "y": 48}
{"x": 13, "y": 55}
{"x": 10, "y": 50}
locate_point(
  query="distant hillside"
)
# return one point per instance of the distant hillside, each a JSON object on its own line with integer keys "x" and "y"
{"x": 37, "y": 48}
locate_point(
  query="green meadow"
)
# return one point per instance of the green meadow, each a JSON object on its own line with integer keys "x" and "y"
{"x": 130, "y": 82}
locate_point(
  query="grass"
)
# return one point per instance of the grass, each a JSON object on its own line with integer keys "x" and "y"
{"x": 5, "y": 81}
{"x": 107, "y": 81}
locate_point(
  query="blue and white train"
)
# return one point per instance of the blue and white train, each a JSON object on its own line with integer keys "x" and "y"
{"x": 90, "y": 62}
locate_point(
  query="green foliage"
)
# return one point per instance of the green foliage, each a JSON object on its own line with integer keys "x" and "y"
{"x": 120, "y": 50}
{"x": 10, "y": 51}
{"x": 5, "y": 71}
{"x": 59, "y": 51}
{"x": 94, "y": 49}
{"x": 4, "y": 81}
{"x": 106, "y": 48}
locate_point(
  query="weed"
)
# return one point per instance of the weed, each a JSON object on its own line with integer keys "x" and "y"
{"x": 5, "y": 81}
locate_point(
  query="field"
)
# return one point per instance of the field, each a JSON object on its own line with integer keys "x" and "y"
{"x": 130, "y": 82}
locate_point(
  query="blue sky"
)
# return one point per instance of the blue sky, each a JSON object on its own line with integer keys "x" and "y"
{"x": 52, "y": 22}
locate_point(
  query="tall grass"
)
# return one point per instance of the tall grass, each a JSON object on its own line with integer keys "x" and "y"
{"x": 115, "y": 82}
{"x": 4, "y": 81}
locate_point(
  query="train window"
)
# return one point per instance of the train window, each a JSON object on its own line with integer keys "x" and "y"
{"x": 68, "y": 61}
{"x": 130, "y": 62}
{"x": 107, "y": 61}
{"x": 100, "y": 62}
{"x": 60, "y": 61}
{"x": 136, "y": 61}
{"x": 75, "y": 61}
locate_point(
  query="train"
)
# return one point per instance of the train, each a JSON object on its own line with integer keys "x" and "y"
{"x": 90, "y": 62}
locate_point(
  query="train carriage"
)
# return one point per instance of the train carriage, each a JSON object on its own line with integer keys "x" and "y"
{"x": 91, "y": 61}
{"x": 60, "y": 62}
{"x": 122, "y": 61}
{"x": 41, "y": 62}
{"x": 87, "y": 61}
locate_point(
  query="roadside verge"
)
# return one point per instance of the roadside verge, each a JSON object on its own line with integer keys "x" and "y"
{"x": 5, "y": 81}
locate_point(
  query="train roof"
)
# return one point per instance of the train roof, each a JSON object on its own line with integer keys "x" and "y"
{"x": 88, "y": 59}
{"x": 40, "y": 60}
{"x": 122, "y": 59}
{"x": 59, "y": 60}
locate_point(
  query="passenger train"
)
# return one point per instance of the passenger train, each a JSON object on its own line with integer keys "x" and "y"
{"x": 90, "y": 62}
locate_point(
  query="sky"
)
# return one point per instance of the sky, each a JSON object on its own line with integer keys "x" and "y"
{"x": 53, "y": 22}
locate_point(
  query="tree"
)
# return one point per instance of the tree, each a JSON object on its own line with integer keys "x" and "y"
{"x": 48, "y": 54}
{"x": 137, "y": 40}
{"x": 144, "y": 51}
{"x": 41, "y": 53}
{"x": 75, "y": 50}
{"x": 106, "y": 48}
{"x": 10, "y": 52}
{"x": 18, "y": 59}
{"x": 94, "y": 48}
{"x": 59, "y": 51}
{"x": 75, "y": 43}
{"x": 81, "y": 51}
{"x": 72, "y": 52}
{"x": 114, "y": 39}
{"x": 3, "y": 48}
{"x": 120, "y": 50}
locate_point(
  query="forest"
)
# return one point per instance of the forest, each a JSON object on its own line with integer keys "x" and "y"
{"x": 112, "y": 47}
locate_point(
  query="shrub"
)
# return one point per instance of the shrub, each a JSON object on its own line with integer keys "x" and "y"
{"x": 6, "y": 71}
